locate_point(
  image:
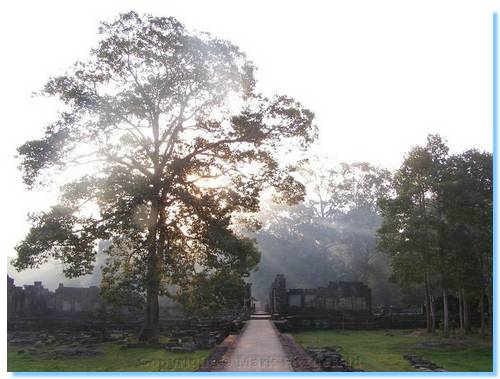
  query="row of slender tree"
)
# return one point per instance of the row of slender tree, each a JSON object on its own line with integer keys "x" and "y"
{"x": 437, "y": 229}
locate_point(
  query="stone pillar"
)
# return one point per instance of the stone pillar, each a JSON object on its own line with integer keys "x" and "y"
{"x": 369, "y": 300}
{"x": 279, "y": 298}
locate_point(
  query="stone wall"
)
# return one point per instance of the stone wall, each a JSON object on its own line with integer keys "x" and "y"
{"x": 77, "y": 299}
{"x": 37, "y": 301}
{"x": 278, "y": 302}
{"x": 337, "y": 297}
{"x": 348, "y": 321}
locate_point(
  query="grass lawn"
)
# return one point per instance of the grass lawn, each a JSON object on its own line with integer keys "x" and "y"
{"x": 381, "y": 350}
{"x": 113, "y": 359}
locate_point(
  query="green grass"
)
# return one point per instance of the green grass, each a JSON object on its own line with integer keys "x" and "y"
{"x": 380, "y": 350}
{"x": 113, "y": 359}
{"x": 470, "y": 359}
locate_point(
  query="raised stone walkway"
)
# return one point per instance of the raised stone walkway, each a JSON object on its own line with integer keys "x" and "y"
{"x": 258, "y": 349}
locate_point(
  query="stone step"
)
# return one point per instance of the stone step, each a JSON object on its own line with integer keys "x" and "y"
{"x": 260, "y": 317}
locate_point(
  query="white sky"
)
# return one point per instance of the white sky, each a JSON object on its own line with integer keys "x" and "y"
{"x": 379, "y": 75}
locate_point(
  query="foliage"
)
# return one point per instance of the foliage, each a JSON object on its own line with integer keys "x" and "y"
{"x": 331, "y": 235}
{"x": 207, "y": 295}
{"x": 177, "y": 140}
{"x": 409, "y": 231}
{"x": 437, "y": 222}
{"x": 468, "y": 213}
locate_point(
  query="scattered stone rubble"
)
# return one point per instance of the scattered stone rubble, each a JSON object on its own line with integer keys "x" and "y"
{"x": 81, "y": 340}
{"x": 59, "y": 338}
{"x": 204, "y": 340}
{"x": 299, "y": 359}
{"x": 422, "y": 364}
{"x": 203, "y": 334}
{"x": 56, "y": 345}
{"x": 218, "y": 359}
{"x": 330, "y": 359}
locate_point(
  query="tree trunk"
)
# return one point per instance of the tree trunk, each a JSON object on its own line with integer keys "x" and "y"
{"x": 433, "y": 316}
{"x": 481, "y": 312}
{"x": 466, "y": 313}
{"x": 446, "y": 327}
{"x": 460, "y": 310}
{"x": 486, "y": 291}
{"x": 427, "y": 305}
{"x": 149, "y": 331}
{"x": 489, "y": 294}
{"x": 490, "y": 312}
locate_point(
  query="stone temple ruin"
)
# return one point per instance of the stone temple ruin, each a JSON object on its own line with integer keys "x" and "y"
{"x": 37, "y": 301}
{"x": 343, "y": 297}
{"x": 339, "y": 305}
{"x": 78, "y": 316}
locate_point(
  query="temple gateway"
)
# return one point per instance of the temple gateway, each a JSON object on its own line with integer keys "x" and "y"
{"x": 336, "y": 297}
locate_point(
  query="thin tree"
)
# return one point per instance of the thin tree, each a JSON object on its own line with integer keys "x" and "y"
{"x": 411, "y": 230}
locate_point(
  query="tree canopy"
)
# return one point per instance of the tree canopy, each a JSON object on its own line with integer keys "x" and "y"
{"x": 173, "y": 139}
{"x": 437, "y": 224}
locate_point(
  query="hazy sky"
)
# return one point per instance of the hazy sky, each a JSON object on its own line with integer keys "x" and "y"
{"x": 379, "y": 75}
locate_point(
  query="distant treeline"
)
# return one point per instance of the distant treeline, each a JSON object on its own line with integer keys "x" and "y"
{"x": 330, "y": 235}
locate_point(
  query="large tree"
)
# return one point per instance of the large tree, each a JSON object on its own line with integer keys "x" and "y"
{"x": 174, "y": 140}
